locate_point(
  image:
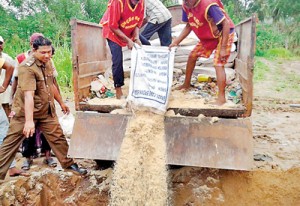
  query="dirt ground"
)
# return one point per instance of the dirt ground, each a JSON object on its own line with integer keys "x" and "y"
{"x": 274, "y": 179}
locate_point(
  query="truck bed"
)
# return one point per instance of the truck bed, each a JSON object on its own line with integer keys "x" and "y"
{"x": 203, "y": 136}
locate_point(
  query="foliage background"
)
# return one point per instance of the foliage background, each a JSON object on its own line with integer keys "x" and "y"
{"x": 278, "y": 31}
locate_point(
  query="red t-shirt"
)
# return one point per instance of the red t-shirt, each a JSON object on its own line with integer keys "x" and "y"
{"x": 120, "y": 14}
{"x": 204, "y": 26}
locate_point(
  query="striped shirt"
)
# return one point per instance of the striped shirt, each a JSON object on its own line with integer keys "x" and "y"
{"x": 156, "y": 12}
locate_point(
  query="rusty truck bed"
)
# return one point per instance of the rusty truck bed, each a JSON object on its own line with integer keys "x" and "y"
{"x": 98, "y": 134}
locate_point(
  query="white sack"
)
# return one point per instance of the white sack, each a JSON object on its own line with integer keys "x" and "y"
{"x": 151, "y": 77}
{"x": 67, "y": 123}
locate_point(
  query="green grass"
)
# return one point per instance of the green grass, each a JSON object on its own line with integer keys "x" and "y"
{"x": 286, "y": 81}
{"x": 279, "y": 53}
{"x": 260, "y": 71}
{"x": 63, "y": 63}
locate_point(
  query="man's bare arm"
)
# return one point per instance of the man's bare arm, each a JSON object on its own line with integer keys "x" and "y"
{"x": 184, "y": 33}
{"x": 59, "y": 99}
{"x": 29, "y": 127}
{"x": 8, "y": 74}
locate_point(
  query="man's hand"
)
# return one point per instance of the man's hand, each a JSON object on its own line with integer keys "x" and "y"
{"x": 130, "y": 44}
{"x": 29, "y": 129}
{"x": 173, "y": 44}
{"x": 65, "y": 109}
{"x": 137, "y": 41}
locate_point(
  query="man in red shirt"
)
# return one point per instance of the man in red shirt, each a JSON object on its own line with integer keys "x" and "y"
{"x": 121, "y": 24}
{"x": 208, "y": 20}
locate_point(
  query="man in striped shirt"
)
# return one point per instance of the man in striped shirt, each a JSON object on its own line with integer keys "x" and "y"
{"x": 159, "y": 20}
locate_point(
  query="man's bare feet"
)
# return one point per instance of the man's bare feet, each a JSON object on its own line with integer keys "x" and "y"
{"x": 119, "y": 92}
{"x": 13, "y": 172}
{"x": 219, "y": 101}
{"x": 183, "y": 86}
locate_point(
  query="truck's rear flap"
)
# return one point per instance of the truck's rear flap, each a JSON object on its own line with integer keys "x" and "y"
{"x": 225, "y": 143}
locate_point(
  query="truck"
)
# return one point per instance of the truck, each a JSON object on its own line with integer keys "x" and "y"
{"x": 98, "y": 134}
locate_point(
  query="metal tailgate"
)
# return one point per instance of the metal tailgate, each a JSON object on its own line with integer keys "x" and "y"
{"x": 225, "y": 144}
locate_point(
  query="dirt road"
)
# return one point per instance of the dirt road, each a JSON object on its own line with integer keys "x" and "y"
{"x": 274, "y": 179}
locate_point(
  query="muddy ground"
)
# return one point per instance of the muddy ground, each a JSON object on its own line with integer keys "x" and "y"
{"x": 274, "y": 179}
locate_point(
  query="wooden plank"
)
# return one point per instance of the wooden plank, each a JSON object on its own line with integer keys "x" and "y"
{"x": 75, "y": 65}
{"x": 244, "y": 21}
{"x": 88, "y": 72}
{"x": 244, "y": 84}
{"x": 245, "y": 41}
{"x": 241, "y": 68}
{"x": 91, "y": 24}
{"x": 210, "y": 112}
{"x": 247, "y": 36}
{"x": 94, "y": 66}
{"x": 92, "y": 48}
{"x": 90, "y": 57}
{"x": 99, "y": 108}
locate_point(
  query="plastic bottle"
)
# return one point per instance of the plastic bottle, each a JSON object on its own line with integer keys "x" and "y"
{"x": 204, "y": 78}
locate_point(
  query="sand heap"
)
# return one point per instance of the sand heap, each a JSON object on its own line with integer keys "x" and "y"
{"x": 140, "y": 174}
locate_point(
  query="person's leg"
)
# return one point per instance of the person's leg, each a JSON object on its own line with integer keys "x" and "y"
{"x": 143, "y": 40}
{"x": 28, "y": 151}
{"x": 3, "y": 132}
{"x": 58, "y": 143}
{"x": 56, "y": 139}
{"x": 11, "y": 144}
{"x": 6, "y": 108}
{"x": 117, "y": 67}
{"x": 45, "y": 144}
{"x": 164, "y": 33}
{"x": 220, "y": 71}
{"x": 28, "y": 147}
{"x": 47, "y": 150}
{"x": 4, "y": 124}
{"x": 150, "y": 29}
{"x": 198, "y": 51}
{"x": 14, "y": 171}
{"x": 221, "y": 82}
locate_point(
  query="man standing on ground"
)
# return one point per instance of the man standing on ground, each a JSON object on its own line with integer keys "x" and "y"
{"x": 29, "y": 149}
{"x": 6, "y": 96}
{"x": 13, "y": 171}
{"x": 121, "y": 23}
{"x": 159, "y": 20}
{"x": 34, "y": 105}
{"x": 215, "y": 30}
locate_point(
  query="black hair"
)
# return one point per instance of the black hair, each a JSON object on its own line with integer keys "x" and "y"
{"x": 41, "y": 41}
{"x": 53, "y": 50}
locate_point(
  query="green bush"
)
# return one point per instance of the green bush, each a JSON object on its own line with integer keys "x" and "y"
{"x": 268, "y": 37}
